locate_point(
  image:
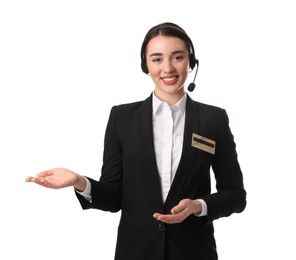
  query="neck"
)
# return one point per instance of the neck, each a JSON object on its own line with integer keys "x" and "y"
{"x": 170, "y": 98}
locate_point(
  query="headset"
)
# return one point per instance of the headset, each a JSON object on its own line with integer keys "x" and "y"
{"x": 170, "y": 29}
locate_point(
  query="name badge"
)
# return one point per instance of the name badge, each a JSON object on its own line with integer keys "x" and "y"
{"x": 203, "y": 143}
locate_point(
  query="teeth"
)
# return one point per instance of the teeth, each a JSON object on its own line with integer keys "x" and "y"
{"x": 169, "y": 79}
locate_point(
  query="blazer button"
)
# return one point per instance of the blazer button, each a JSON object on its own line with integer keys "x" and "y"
{"x": 161, "y": 227}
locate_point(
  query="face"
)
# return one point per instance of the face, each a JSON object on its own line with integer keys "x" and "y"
{"x": 168, "y": 65}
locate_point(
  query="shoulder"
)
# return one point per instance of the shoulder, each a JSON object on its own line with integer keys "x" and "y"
{"x": 132, "y": 108}
{"x": 209, "y": 117}
{"x": 207, "y": 110}
{"x": 129, "y": 106}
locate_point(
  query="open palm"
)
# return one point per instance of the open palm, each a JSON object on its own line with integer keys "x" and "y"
{"x": 56, "y": 178}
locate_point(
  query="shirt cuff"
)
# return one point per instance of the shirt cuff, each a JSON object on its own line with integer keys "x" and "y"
{"x": 87, "y": 192}
{"x": 204, "y": 209}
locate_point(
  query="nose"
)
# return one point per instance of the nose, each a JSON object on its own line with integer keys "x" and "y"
{"x": 168, "y": 66}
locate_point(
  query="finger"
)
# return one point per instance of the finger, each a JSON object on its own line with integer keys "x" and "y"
{"x": 176, "y": 209}
{"x": 29, "y": 179}
{"x": 159, "y": 216}
{"x": 41, "y": 181}
{"x": 168, "y": 218}
{"x": 45, "y": 173}
{"x": 179, "y": 208}
{"x": 183, "y": 205}
{"x": 33, "y": 179}
{"x": 156, "y": 215}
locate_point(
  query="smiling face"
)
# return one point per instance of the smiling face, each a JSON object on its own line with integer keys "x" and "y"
{"x": 167, "y": 59}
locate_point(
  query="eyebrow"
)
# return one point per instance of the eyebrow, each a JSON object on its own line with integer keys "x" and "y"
{"x": 160, "y": 54}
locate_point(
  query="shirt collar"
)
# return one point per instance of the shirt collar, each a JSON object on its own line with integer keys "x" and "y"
{"x": 181, "y": 104}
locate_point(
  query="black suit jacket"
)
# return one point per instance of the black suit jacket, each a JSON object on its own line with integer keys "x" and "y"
{"x": 130, "y": 182}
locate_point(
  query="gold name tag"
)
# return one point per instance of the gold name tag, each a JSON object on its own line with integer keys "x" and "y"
{"x": 203, "y": 143}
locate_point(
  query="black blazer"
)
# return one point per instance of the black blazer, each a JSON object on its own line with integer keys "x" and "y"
{"x": 130, "y": 182}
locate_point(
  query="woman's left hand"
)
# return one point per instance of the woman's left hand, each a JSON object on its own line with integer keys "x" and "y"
{"x": 180, "y": 212}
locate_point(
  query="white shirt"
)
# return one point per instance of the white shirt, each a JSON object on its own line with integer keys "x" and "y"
{"x": 168, "y": 131}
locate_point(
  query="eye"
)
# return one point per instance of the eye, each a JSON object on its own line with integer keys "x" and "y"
{"x": 178, "y": 57}
{"x": 156, "y": 60}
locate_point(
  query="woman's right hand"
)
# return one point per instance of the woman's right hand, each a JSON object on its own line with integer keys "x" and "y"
{"x": 58, "y": 178}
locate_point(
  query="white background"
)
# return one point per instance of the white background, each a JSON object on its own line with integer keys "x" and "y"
{"x": 63, "y": 64}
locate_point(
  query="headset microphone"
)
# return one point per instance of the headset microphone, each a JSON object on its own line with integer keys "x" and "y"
{"x": 191, "y": 86}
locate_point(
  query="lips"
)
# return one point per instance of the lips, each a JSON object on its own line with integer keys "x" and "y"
{"x": 169, "y": 80}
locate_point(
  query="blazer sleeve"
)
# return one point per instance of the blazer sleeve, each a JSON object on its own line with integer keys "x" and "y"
{"x": 231, "y": 195}
{"x": 107, "y": 192}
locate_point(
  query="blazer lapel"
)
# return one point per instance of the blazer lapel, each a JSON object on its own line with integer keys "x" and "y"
{"x": 148, "y": 160}
{"x": 188, "y": 156}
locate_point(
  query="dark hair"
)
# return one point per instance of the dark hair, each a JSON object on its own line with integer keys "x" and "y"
{"x": 168, "y": 29}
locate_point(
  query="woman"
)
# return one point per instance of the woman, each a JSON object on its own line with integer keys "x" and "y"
{"x": 157, "y": 159}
